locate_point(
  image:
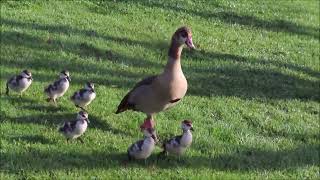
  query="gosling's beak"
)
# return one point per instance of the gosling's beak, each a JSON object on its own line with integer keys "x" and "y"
{"x": 191, "y": 129}
{"x": 88, "y": 120}
{"x": 69, "y": 79}
{"x": 155, "y": 138}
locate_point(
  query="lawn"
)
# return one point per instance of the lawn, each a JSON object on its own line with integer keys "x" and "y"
{"x": 253, "y": 91}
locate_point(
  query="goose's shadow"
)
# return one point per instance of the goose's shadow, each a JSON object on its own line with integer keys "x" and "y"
{"x": 49, "y": 108}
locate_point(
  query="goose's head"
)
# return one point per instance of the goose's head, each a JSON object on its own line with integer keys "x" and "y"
{"x": 65, "y": 74}
{"x": 183, "y": 35}
{"x": 186, "y": 125}
{"x": 26, "y": 74}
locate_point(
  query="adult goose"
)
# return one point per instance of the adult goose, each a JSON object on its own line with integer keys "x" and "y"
{"x": 160, "y": 92}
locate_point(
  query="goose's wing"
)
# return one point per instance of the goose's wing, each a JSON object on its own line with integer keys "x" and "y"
{"x": 125, "y": 104}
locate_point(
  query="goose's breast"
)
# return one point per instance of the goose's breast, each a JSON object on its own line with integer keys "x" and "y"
{"x": 173, "y": 86}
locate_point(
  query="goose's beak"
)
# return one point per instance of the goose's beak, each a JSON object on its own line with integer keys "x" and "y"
{"x": 69, "y": 79}
{"x": 191, "y": 129}
{"x": 189, "y": 43}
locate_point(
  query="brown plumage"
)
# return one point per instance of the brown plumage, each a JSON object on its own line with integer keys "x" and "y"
{"x": 124, "y": 104}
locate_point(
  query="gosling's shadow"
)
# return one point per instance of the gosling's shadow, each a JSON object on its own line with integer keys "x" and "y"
{"x": 54, "y": 120}
{"x": 34, "y": 105}
{"x": 48, "y": 119}
{"x": 245, "y": 159}
{"x": 49, "y": 108}
{"x": 16, "y": 98}
{"x": 103, "y": 125}
{"x": 33, "y": 139}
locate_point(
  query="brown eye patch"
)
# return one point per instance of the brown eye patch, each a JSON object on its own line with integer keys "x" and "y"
{"x": 184, "y": 34}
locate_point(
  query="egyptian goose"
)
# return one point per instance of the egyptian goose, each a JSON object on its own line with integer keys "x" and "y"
{"x": 178, "y": 144}
{"x": 142, "y": 149}
{"x": 59, "y": 87}
{"x": 74, "y": 129}
{"x": 84, "y": 96}
{"x": 160, "y": 92}
{"x": 19, "y": 83}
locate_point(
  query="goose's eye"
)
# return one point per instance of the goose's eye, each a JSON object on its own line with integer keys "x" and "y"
{"x": 184, "y": 34}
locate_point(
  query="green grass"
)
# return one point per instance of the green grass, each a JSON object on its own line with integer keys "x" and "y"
{"x": 253, "y": 87}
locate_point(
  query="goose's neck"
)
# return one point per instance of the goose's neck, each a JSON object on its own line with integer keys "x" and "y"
{"x": 174, "y": 56}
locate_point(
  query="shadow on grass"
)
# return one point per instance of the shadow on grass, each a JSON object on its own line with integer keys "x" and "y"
{"x": 30, "y": 104}
{"x": 16, "y": 98}
{"x": 107, "y": 77}
{"x": 244, "y": 78}
{"x": 246, "y": 81}
{"x": 211, "y": 56}
{"x": 230, "y": 17}
{"x": 110, "y": 77}
{"x": 246, "y": 159}
{"x": 84, "y": 49}
{"x": 276, "y": 132}
{"x": 54, "y": 120}
{"x": 33, "y": 139}
{"x": 45, "y": 108}
{"x": 95, "y": 122}
{"x": 67, "y": 30}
